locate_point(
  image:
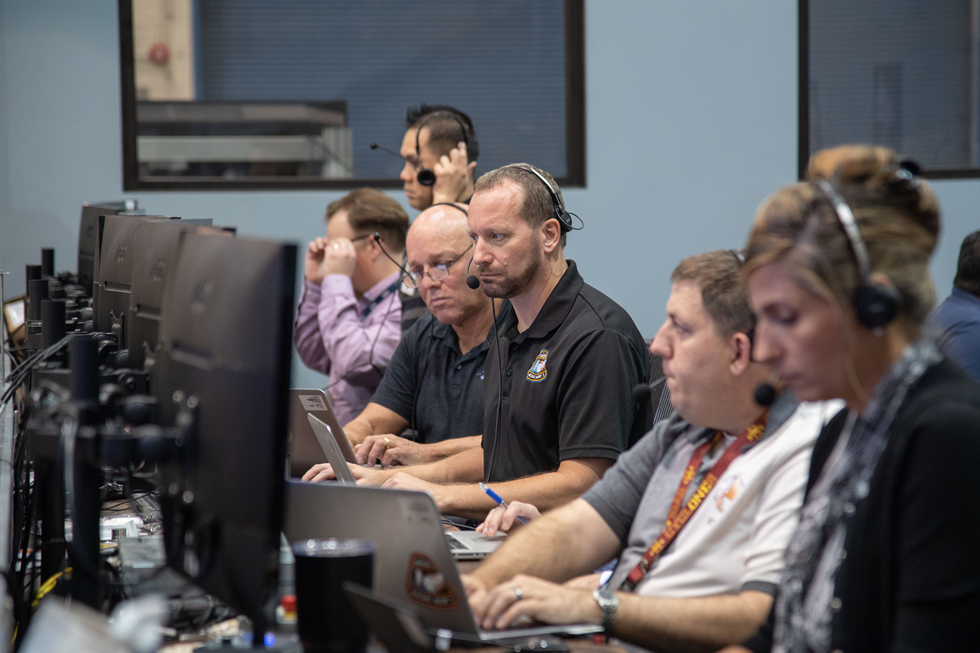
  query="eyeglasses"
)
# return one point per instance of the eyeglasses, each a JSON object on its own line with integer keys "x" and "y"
{"x": 436, "y": 272}
{"x": 354, "y": 240}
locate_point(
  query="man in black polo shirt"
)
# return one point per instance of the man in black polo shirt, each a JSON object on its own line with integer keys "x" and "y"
{"x": 573, "y": 355}
{"x": 434, "y": 383}
{"x": 570, "y": 355}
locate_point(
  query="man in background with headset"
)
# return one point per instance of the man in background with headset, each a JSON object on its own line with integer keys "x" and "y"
{"x": 347, "y": 321}
{"x": 699, "y": 512}
{"x": 434, "y": 383}
{"x": 561, "y": 374}
{"x": 440, "y": 149}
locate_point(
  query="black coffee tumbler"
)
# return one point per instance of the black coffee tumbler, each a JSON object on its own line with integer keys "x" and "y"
{"x": 327, "y": 621}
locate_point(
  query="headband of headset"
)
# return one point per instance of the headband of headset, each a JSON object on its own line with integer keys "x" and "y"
{"x": 458, "y": 208}
{"x": 875, "y": 304}
{"x": 558, "y": 213}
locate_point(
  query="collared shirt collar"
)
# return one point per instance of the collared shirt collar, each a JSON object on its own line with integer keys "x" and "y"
{"x": 446, "y": 332}
{"x": 963, "y": 297}
{"x": 376, "y": 290}
{"x": 780, "y": 411}
{"x": 555, "y": 308}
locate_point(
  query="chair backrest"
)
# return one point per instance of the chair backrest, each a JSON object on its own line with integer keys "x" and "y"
{"x": 659, "y": 396}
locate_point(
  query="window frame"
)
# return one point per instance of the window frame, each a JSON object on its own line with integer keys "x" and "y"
{"x": 574, "y": 27}
{"x": 803, "y": 146}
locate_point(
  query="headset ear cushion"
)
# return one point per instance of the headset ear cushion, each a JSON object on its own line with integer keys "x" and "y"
{"x": 564, "y": 220}
{"x": 876, "y": 304}
{"x": 426, "y": 177}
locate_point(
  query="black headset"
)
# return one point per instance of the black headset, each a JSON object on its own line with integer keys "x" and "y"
{"x": 563, "y": 217}
{"x": 427, "y": 176}
{"x": 876, "y": 304}
{"x": 765, "y": 393}
{"x": 458, "y": 208}
{"x": 377, "y": 237}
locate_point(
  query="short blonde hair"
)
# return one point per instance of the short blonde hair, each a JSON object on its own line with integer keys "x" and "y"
{"x": 897, "y": 216}
{"x": 370, "y": 211}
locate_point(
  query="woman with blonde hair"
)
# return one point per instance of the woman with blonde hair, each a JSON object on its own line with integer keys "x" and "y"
{"x": 885, "y": 556}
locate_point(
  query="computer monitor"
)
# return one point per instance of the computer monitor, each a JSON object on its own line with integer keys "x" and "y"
{"x": 88, "y": 237}
{"x": 156, "y": 241}
{"x": 225, "y": 340}
{"x": 114, "y": 271}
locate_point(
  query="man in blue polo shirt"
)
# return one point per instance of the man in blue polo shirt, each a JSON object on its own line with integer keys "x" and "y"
{"x": 956, "y": 322}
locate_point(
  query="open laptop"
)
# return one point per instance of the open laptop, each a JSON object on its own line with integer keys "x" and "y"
{"x": 325, "y": 436}
{"x": 398, "y": 627}
{"x": 465, "y": 545}
{"x": 412, "y": 560}
{"x": 305, "y": 450}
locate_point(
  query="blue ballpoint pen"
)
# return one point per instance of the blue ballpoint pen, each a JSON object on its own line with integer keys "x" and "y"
{"x": 499, "y": 499}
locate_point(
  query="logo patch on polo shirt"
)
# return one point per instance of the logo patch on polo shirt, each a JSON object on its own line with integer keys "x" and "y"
{"x": 729, "y": 494}
{"x": 539, "y": 370}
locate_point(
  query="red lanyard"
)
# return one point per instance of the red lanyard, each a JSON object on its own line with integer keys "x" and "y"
{"x": 678, "y": 516}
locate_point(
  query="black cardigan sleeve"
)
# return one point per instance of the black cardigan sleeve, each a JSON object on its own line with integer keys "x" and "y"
{"x": 937, "y": 589}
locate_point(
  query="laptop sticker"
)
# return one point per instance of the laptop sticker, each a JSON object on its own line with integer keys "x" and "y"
{"x": 427, "y": 586}
{"x": 313, "y": 402}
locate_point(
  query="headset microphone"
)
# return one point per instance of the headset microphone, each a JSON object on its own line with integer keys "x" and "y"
{"x": 375, "y": 146}
{"x": 765, "y": 393}
{"x": 471, "y": 280}
{"x": 642, "y": 391}
{"x": 377, "y": 238}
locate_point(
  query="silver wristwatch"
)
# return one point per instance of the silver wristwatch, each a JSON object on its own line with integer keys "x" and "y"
{"x": 608, "y": 602}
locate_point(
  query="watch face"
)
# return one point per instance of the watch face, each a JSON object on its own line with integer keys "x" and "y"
{"x": 606, "y": 599}
{"x": 608, "y": 603}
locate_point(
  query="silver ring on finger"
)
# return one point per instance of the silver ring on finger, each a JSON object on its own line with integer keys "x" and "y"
{"x": 518, "y": 593}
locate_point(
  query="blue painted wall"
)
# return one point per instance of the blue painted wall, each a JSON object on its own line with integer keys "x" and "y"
{"x": 691, "y": 122}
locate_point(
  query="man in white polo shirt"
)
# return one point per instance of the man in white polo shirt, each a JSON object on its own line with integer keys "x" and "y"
{"x": 699, "y": 511}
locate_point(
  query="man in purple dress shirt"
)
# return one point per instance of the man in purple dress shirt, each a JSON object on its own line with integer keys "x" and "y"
{"x": 349, "y": 318}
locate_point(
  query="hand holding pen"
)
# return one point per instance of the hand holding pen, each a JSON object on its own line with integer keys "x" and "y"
{"x": 499, "y": 499}
{"x": 502, "y": 517}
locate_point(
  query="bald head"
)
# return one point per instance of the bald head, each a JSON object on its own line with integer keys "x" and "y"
{"x": 439, "y": 236}
{"x": 441, "y": 221}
